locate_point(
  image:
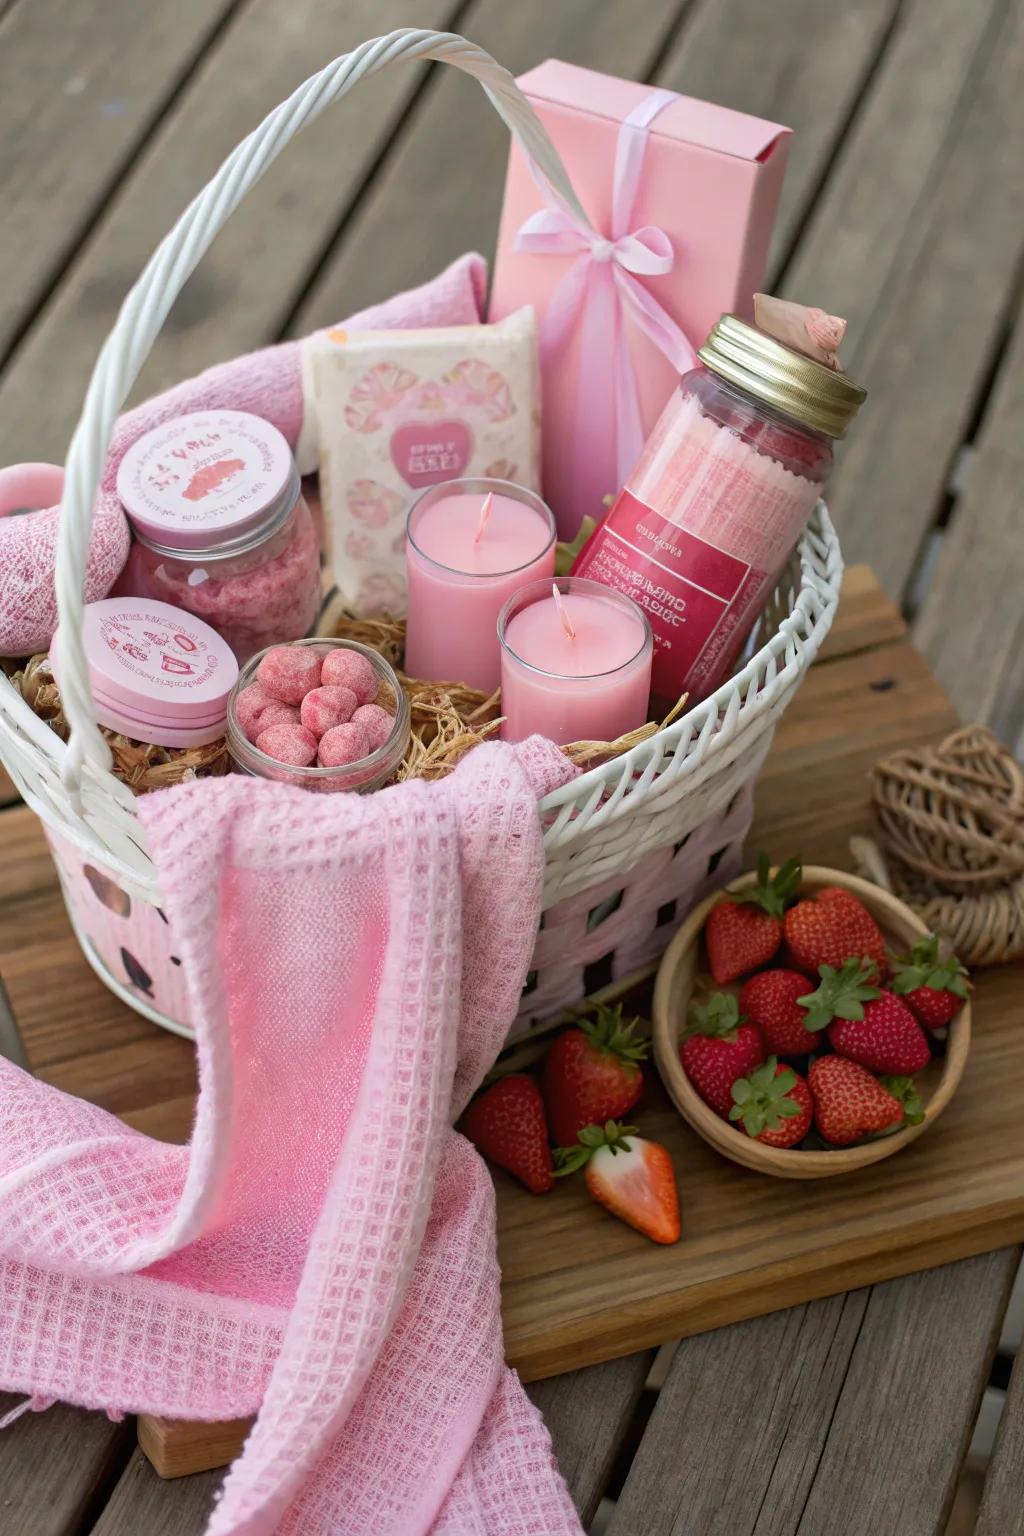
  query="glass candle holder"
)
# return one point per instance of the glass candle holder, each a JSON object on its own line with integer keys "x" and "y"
{"x": 463, "y": 563}
{"x": 574, "y": 669}
{"x": 368, "y": 773}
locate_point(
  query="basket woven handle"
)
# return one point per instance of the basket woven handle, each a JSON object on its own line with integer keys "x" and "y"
{"x": 144, "y": 310}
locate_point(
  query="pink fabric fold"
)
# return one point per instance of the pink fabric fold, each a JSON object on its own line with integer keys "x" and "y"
{"x": 323, "y": 1251}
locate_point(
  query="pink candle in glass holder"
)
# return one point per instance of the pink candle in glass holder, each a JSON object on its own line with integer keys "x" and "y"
{"x": 469, "y": 545}
{"x": 575, "y": 662}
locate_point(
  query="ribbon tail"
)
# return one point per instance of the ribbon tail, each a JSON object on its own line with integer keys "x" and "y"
{"x": 595, "y": 462}
{"x": 655, "y": 322}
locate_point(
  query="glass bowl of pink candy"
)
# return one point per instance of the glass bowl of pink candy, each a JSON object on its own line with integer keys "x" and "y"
{"x": 323, "y": 714}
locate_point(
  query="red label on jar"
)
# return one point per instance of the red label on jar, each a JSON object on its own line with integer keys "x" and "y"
{"x": 694, "y": 594}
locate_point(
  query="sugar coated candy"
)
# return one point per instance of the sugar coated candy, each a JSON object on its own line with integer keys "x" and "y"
{"x": 288, "y": 672}
{"x": 351, "y": 669}
{"x": 344, "y": 744}
{"x": 291, "y": 744}
{"x": 376, "y": 722}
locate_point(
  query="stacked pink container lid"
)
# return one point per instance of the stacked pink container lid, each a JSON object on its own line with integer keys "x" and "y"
{"x": 157, "y": 674}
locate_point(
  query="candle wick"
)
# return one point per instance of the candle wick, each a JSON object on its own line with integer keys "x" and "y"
{"x": 563, "y": 612}
{"x": 485, "y": 516}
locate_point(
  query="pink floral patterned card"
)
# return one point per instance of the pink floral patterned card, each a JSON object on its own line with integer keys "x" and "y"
{"x": 401, "y": 410}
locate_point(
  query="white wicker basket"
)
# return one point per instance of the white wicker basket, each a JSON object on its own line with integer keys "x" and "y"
{"x": 630, "y": 846}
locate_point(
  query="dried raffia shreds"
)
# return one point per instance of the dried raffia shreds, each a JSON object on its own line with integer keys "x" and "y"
{"x": 449, "y": 719}
{"x": 136, "y": 763}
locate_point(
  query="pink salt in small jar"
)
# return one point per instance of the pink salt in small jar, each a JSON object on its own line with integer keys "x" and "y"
{"x": 222, "y": 528}
{"x": 157, "y": 674}
{"x": 364, "y": 774}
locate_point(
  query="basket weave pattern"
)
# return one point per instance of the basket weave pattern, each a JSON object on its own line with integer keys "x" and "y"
{"x": 651, "y": 830}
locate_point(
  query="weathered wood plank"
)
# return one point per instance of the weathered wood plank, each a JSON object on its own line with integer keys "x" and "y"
{"x": 745, "y": 54}
{"x": 909, "y": 1400}
{"x": 588, "y": 1414}
{"x": 918, "y": 239}
{"x": 143, "y": 1502}
{"x": 861, "y": 1404}
{"x": 248, "y": 283}
{"x": 439, "y": 193}
{"x": 971, "y": 625}
{"x": 80, "y": 88}
{"x": 1002, "y": 1505}
{"x": 55, "y": 1467}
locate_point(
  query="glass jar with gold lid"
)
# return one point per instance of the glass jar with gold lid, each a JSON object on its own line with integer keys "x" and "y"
{"x": 726, "y": 483}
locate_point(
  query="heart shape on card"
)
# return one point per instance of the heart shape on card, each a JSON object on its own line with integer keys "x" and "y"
{"x": 427, "y": 452}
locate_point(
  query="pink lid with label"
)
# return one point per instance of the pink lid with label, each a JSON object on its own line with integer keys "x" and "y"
{"x": 157, "y": 673}
{"x": 209, "y": 479}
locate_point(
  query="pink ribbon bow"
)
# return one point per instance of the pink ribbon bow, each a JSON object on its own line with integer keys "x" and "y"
{"x": 598, "y": 292}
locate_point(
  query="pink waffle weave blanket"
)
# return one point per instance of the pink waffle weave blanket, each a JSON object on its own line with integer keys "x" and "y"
{"x": 323, "y": 1251}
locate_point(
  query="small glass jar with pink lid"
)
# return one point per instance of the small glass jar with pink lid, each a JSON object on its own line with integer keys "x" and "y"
{"x": 221, "y": 527}
{"x": 322, "y": 714}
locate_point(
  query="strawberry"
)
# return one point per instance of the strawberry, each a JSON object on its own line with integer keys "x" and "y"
{"x": 745, "y": 930}
{"x": 933, "y": 987}
{"x": 770, "y": 1000}
{"x": 632, "y": 1178}
{"x": 592, "y": 1074}
{"x": 719, "y": 1048}
{"x": 830, "y": 927}
{"x": 849, "y": 1103}
{"x": 773, "y": 1105}
{"x": 507, "y": 1123}
{"x": 904, "y": 1090}
{"x": 864, "y": 1023}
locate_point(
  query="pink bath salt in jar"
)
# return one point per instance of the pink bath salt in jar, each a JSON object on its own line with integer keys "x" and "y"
{"x": 157, "y": 674}
{"x": 704, "y": 525}
{"x": 222, "y": 528}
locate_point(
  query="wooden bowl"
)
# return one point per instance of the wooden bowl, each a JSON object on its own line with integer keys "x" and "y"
{"x": 681, "y": 976}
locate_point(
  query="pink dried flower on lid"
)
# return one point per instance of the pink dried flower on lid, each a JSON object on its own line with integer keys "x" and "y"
{"x": 376, "y": 722}
{"x": 291, "y": 744}
{"x": 327, "y": 706}
{"x": 351, "y": 669}
{"x": 344, "y": 744}
{"x": 288, "y": 672}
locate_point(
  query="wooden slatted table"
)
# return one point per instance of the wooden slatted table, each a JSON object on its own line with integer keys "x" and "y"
{"x": 886, "y": 1378}
{"x": 902, "y": 211}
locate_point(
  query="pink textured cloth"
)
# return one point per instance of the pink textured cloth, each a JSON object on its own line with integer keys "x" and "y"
{"x": 268, "y": 383}
{"x": 323, "y": 1251}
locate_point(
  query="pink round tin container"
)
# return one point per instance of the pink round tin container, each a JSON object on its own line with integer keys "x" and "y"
{"x": 157, "y": 673}
{"x": 221, "y": 527}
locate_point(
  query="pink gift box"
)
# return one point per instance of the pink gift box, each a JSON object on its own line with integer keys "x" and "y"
{"x": 708, "y": 180}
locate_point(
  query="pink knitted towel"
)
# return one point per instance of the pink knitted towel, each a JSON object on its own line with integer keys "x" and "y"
{"x": 269, "y": 383}
{"x": 323, "y": 1251}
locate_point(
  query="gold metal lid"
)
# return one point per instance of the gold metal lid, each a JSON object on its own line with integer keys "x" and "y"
{"x": 819, "y": 397}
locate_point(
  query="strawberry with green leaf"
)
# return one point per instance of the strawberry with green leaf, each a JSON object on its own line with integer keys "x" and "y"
{"x": 592, "y": 1073}
{"x": 850, "y": 1103}
{"x": 719, "y": 1047}
{"x": 904, "y": 1091}
{"x": 830, "y": 927}
{"x": 631, "y": 1177}
{"x": 771, "y": 1000}
{"x": 932, "y": 985}
{"x": 773, "y": 1105}
{"x": 745, "y": 930}
{"x": 865, "y": 1023}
